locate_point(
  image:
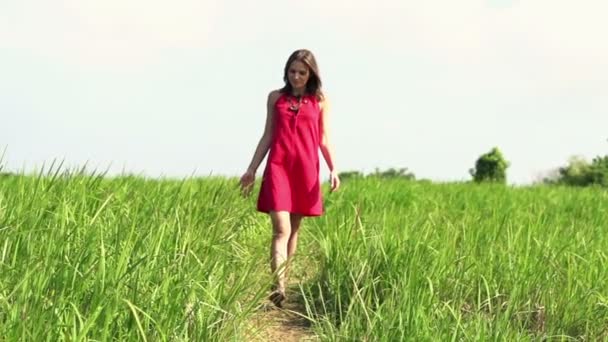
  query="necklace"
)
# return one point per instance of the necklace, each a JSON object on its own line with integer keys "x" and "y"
{"x": 294, "y": 107}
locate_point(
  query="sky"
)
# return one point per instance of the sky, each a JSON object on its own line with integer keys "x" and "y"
{"x": 178, "y": 88}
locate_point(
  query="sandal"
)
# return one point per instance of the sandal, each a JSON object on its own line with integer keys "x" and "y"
{"x": 277, "y": 297}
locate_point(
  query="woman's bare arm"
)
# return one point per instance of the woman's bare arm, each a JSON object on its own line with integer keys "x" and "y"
{"x": 264, "y": 143}
{"x": 325, "y": 145}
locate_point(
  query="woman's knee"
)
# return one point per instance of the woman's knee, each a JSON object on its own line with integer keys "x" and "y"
{"x": 281, "y": 234}
{"x": 281, "y": 225}
{"x": 295, "y": 221}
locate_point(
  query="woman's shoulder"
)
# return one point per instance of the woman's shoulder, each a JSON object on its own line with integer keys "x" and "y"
{"x": 323, "y": 101}
{"x": 274, "y": 95}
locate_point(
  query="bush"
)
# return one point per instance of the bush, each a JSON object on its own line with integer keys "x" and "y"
{"x": 389, "y": 173}
{"x": 350, "y": 174}
{"x": 579, "y": 172}
{"x": 490, "y": 167}
{"x": 393, "y": 173}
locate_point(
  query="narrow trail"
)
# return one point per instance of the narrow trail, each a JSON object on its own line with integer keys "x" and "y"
{"x": 288, "y": 323}
{"x": 285, "y": 324}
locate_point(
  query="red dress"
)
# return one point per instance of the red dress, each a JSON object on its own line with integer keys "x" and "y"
{"x": 291, "y": 177}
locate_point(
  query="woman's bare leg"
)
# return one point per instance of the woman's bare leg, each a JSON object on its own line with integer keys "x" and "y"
{"x": 292, "y": 244}
{"x": 281, "y": 228}
{"x": 295, "y": 221}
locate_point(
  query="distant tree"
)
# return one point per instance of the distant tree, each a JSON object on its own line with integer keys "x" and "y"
{"x": 403, "y": 173}
{"x": 490, "y": 167}
{"x": 579, "y": 172}
{"x": 393, "y": 173}
{"x": 575, "y": 173}
{"x": 350, "y": 174}
{"x": 599, "y": 171}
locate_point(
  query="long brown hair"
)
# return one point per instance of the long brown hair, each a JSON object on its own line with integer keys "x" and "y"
{"x": 313, "y": 86}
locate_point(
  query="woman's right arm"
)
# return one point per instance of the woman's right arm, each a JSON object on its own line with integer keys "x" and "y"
{"x": 263, "y": 145}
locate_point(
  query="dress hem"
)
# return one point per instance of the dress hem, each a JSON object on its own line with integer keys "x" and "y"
{"x": 267, "y": 211}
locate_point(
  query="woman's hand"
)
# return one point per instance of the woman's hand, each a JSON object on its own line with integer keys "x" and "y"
{"x": 247, "y": 180}
{"x": 334, "y": 180}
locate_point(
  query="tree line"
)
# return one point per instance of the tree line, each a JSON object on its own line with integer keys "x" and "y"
{"x": 492, "y": 167}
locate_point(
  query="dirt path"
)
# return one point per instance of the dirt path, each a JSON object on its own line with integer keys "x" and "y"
{"x": 286, "y": 324}
{"x": 290, "y": 322}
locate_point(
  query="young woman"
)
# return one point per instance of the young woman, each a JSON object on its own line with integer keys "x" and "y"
{"x": 296, "y": 128}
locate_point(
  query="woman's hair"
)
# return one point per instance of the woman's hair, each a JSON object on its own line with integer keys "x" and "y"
{"x": 313, "y": 86}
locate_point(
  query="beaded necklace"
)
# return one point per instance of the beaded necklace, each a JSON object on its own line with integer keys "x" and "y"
{"x": 294, "y": 107}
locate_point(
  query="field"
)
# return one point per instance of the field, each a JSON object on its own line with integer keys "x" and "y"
{"x": 88, "y": 257}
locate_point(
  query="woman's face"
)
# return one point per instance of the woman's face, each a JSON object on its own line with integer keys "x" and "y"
{"x": 298, "y": 74}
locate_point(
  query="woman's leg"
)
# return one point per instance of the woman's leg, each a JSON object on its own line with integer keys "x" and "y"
{"x": 281, "y": 232}
{"x": 295, "y": 221}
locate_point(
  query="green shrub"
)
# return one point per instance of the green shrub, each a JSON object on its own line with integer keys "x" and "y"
{"x": 393, "y": 173}
{"x": 350, "y": 174}
{"x": 490, "y": 167}
{"x": 579, "y": 172}
{"x": 402, "y": 173}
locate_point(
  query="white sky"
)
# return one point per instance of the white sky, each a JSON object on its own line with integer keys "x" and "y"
{"x": 179, "y": 88}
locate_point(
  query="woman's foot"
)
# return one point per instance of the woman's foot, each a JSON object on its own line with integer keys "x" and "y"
{"x": 277, "y": 297}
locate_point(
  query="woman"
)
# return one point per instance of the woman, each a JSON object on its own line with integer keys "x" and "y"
{"x": 296, "y": 127}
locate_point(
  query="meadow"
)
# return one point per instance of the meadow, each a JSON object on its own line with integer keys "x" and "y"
{"x": 89, "y": 257}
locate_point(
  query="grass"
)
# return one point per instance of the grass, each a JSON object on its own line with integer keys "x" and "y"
{"x": 412, "y": 261}
{"x": 89, "y": 257}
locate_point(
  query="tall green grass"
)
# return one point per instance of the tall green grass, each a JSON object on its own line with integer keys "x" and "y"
{"x": 89, "y": 257}
{"x": 412, "y": 261}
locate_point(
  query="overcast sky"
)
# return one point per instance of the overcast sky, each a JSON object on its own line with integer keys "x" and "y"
{"x": 178, "y": 88}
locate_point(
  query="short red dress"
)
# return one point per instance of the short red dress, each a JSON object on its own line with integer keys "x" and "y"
{"x": 291, "y": 177}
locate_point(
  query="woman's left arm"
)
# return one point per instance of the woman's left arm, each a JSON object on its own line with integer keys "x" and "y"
{"x": 326, "y": 148}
